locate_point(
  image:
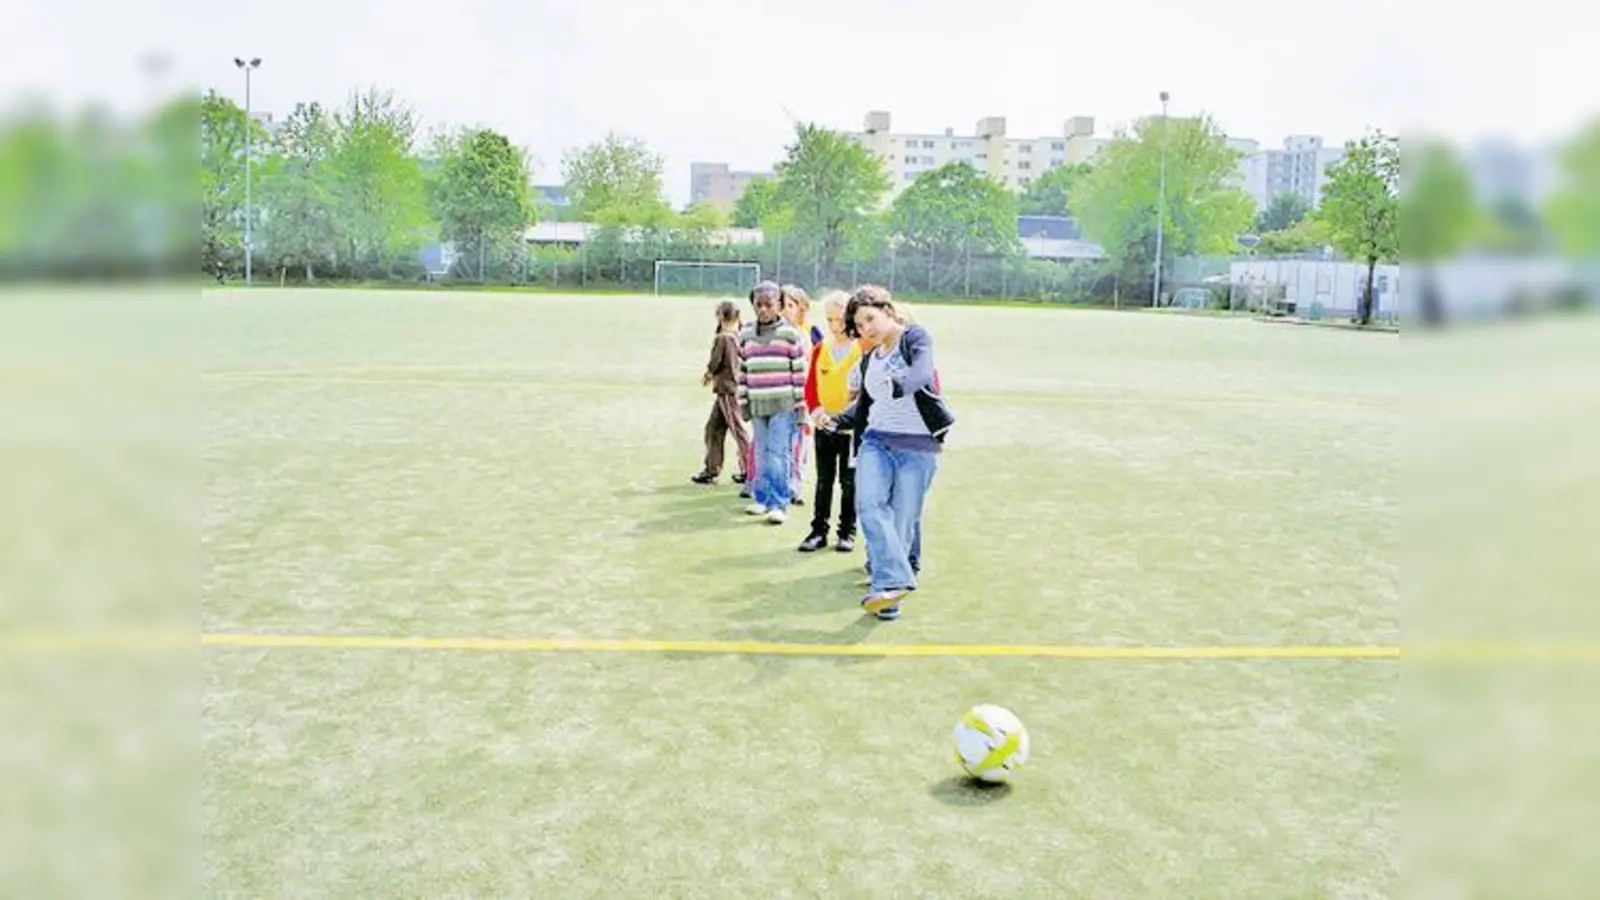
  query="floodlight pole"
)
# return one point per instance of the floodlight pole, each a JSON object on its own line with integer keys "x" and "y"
{"x": 1161, "y": 203}
{"x": 249, "y": 156}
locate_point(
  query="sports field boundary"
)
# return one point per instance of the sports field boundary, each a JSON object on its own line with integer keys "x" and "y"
{"x": 767, "y": 648}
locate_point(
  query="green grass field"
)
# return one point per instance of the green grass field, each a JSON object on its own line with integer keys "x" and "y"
{"x": 516, "y": 467}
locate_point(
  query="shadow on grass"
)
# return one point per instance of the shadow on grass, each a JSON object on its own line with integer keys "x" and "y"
{"x": 836, "y": 591}
{"x": 959, "y": 790}
{"x": 688, "y": 490}
{"x": 688, "y": 518}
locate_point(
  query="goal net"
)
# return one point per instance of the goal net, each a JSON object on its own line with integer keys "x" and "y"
{"x": 719, "y": 278}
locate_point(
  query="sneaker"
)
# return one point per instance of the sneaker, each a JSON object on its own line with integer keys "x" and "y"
{"x": 755, "y": 509}
{"x": 703, "y": 478}
{"x": 813, "y": 543}
{"x": 847, "y": 543}
{"x": 798, "y": 501}
{"x": 879, "y": 601}
{"x": 745, "y": 494}
{"x": 739, "y": 478}
{"x": 777, "y": 516}
{"x": 888, "y": 614}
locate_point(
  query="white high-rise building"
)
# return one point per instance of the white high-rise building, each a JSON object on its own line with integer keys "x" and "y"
{"x": 1301, "y": 167}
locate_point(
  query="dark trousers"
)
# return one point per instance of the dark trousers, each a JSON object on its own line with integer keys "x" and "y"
{"x": 835, "y": 452}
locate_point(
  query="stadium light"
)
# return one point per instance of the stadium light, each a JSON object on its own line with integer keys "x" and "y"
{"x": 1161, "y": 202}
{"x": 249, "y": 156}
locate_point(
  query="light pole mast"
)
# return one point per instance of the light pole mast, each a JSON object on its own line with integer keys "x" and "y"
{"x": 1161, "y": 202}
{"x": 249, "y": 156}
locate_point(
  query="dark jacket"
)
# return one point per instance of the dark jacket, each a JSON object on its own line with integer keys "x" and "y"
{"x": 916, "y": 347}
{"x": 724, "y": 362}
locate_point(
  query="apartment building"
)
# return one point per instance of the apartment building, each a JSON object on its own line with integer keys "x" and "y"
{"x": 1012, "y": 161}
{"x": 718, "y": 185}
{"x": 1301, "y": 167}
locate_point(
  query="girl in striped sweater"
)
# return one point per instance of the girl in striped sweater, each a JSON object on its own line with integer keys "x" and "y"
{"x": 771, "y": 383}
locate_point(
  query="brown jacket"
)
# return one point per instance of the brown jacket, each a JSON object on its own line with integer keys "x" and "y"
{"x": 724, "y": 362}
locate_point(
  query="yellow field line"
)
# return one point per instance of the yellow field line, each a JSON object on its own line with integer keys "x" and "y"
{"x": 619, "y": 387}
{"x": 763, "y": 648}
{"x": 177, "y": 640}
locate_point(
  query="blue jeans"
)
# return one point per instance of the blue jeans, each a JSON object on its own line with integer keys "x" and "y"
{"x": 890, "y": 488}
{"x": 775, "y": 437}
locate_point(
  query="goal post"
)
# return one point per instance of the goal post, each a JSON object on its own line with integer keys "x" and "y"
{"x": 679, "y": 276}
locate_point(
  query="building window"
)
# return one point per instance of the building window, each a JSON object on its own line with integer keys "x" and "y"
{"x": 1058, "y": 146}
{"x": 1026, "y": 148}
{"x": 1024, "y": 181}
{"x": 1024, "y": 165}
{"x": 927, "y": 145}
{"x": 911, "y": 176}
{"x": 1057, "y": 161}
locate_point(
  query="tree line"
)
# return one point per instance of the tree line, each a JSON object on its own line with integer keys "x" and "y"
{"x": 357, "y": 191}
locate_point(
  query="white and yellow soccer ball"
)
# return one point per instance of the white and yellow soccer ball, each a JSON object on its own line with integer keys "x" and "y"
{"x": 991, "y": 743}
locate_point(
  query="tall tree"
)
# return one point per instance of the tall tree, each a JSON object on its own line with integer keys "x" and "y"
{"x": 1574, "y": 208}
{"x": 1055, "y": 192}
{"x": 955, "y": 208}
{"x": 296, "y": 188}
{"x": 1286, "y": 210}
{"x": 377, "y": 183}
{"x": 224, "y": 132}
{"x": 616, "y": 181}
{"x": 481, "y": 196}
{"x": 829, "y": 185}
{"x": 1361, "y": 206}
{"x": 1206, "y": 210}
{"x": 757, "y": 205}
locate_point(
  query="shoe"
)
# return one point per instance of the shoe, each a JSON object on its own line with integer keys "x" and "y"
{"x": 813, "y": 543}
{"x": 797, "y": 501}
{"x": 739, "y": 478}
{"x": 777, "y": 516}
{"x": 879, "y": 601}
{"x": 703, "y": 478}
{"x": 745, "y": 494}
{"x": 889, "y": 614}
{"x": 847, "y": 543}
{"x": 755, "y": 509}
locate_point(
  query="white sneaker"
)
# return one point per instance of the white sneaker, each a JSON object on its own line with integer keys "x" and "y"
{"x": 777, "y": 516}
{"x": 756, "y": 509}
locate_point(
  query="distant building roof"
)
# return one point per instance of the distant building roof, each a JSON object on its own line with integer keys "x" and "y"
{"x": 554, "y": 194}
{"x": 1059, "y": 228}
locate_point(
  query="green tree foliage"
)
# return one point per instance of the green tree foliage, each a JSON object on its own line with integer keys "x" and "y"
{"x": 1361, "y": 206}
{"x": 302, "y": 227}
{"x": 223, "y": 135}
{"x": 829, "y": 186}
{"x": 1055, "y": 192}
{"x": 1574, "y": 208}
{"x": 1438, "y": 213}
{"x": 953, "y": 209}
{"x": 1206, "y": 208}
{"x": 481, "y": 197}
{"x": 616, "y": 181}
{"x": 1305, "y": 236}
{"x": 1286, "y": 210}
{"x": 758, "y": 205}
{"x": 376, "y": 180}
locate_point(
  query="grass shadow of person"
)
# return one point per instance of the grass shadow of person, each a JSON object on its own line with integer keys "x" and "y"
{"x": 827, "y": 592}
{"x": 963, "y": 790}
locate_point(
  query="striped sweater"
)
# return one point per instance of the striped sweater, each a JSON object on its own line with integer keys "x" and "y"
{"x": 772, "y": 370}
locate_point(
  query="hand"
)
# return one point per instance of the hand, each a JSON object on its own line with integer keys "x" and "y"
{"x": 705, "y": 380}
{"x": 824, "y": 421}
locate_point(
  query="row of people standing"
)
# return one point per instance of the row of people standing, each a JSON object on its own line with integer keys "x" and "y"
{"x": 862, "y": 399}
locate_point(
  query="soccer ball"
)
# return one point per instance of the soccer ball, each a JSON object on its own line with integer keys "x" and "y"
{"x": 991, "y": 743}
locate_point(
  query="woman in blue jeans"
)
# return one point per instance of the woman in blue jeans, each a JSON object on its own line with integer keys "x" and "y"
{"x": 903, "y": 421}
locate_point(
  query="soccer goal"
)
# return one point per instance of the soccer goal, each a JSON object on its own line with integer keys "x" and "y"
{"x": 691, "y": 277}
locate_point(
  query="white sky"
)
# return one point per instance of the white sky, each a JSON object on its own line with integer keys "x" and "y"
{"x": 710, "y": 79}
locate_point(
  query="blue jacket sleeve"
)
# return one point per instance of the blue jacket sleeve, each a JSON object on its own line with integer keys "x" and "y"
{"x": 919, "y": 375}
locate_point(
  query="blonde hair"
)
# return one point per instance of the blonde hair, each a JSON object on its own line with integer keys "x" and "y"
{"x": 834, "y": 299}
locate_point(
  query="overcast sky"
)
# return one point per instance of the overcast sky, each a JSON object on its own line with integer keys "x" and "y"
{"x": 718, "y": 79}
